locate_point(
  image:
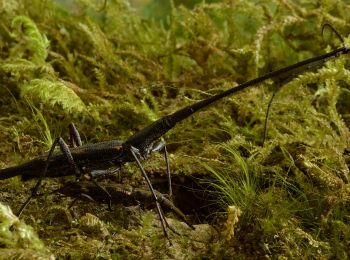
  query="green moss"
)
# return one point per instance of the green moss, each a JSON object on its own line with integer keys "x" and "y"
{"x": 18, "y": 239}
{"x": 113, "y": 71}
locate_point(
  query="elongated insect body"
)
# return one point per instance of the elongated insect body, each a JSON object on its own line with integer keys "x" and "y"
{"x": 103, "y": 154}
{"x": 98, "y": 156}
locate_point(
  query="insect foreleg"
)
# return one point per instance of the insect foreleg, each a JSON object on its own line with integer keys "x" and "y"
{"x": 66, "y": 152}
{"x": 81, "y": 196}
{"x": 162, "y": 146}
{"x": 167, "y": 224}
{"x": 168, "y": 172}
{"x": 42, "y": 175}
{"x": 74, "y": 135}
{"x": 135, "y": 153}
{"x": 109, "y": 197}
{"x": 75, "y": 141}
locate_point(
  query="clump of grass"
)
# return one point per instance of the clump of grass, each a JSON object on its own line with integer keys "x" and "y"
{"x": 240, "y": 190}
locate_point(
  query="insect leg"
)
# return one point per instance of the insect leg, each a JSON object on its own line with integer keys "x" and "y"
{"x": 167, "y": 224}
{"x": 37, "y": 185}
{"x": 133, "y": 151}
{"x": 92, "y": 176}
{"x": 65, "y": 150}
{"x": 67, "y": 153}
{"x": 162, "y": 146}
{"x": 75, "y": 141}
{"x": 168, "y": 172}
{"x": 170, "y": 205}
{"x": 74, "y": 135}
{"x": 109, "y": 197}
{"x": 81, "y": 196}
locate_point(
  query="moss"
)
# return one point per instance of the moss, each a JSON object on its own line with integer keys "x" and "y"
{"x": 19, "y": 240}
{"x": 113, "y": 71}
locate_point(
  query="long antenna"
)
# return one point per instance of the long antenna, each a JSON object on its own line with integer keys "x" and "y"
{"x": 289, "y": 78}
{"x": 149, "y": 134}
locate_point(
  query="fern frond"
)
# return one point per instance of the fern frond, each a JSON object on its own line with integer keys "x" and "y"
{"x": 10, "y": 6}
{"x": 53, "y": 92}
{"x": 94, "y": 5}
{"x": 98, "y": 39}
{"x": 18, "y": 65}
{"x": 35, "y": 41}
{"x": 25, "y": 66}
{"x": 101, "y": 77}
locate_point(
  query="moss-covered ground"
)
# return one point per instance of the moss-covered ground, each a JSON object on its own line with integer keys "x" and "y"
{"x": 112, "y": 69}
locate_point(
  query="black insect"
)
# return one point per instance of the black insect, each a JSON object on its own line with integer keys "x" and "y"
{"x": 96, "y": 159}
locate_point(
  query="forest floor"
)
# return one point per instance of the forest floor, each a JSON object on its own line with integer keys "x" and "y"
{"x": 113, "y": 69}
